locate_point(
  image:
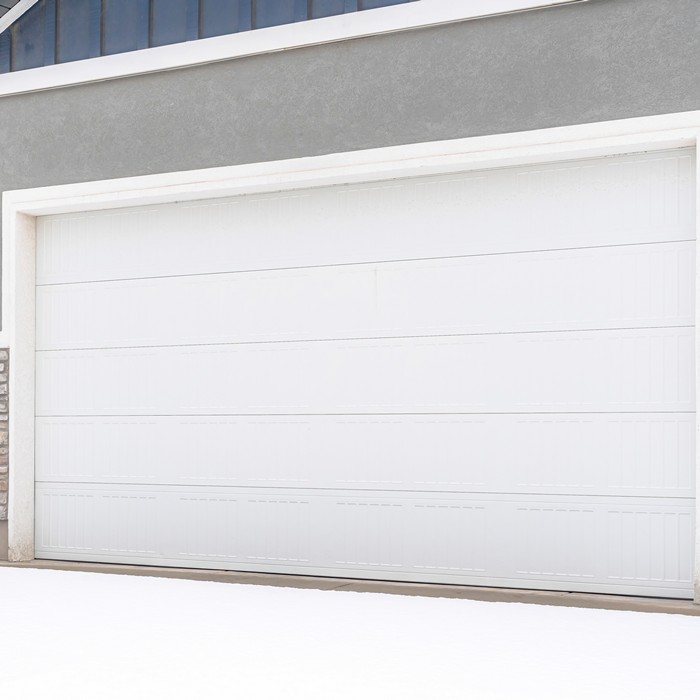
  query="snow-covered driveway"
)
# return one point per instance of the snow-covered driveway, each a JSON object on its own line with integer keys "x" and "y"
{"x": 97, "y": 636}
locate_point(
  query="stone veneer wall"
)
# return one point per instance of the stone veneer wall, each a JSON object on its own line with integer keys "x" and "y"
{"x": 4, "y": 434}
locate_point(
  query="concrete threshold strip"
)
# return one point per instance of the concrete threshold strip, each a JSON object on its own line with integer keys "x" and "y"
{"x": 496, "y": 595}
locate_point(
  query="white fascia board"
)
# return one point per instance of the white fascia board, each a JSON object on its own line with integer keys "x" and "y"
{"x": 15, "y": 13}
{"x": 383, "y": 20}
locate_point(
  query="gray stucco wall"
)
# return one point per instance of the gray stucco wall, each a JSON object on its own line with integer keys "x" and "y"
{"x": 600, "y": 60}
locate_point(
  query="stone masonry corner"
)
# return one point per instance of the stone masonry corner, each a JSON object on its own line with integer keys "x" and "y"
{"x": 4, "y": 434}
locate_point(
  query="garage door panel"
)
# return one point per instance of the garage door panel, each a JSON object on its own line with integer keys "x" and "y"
{"x": 615, "y": 454}
{"x": 639, "y": 370}
{"x": 462, "y": 540}
{"x": 629, "y": 199}
{"x": 640, "y": 542}
{"x": 478, "y": 378}
{"x": 618, "y": 287}
{"x": 115, "y": 521}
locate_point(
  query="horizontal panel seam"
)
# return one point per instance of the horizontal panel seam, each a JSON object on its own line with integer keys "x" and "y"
{"x": 319, "y": 415}
{"x": 362, "y": 339}
{"x": 364, "y": 264}
{"x": 431, "y": 492}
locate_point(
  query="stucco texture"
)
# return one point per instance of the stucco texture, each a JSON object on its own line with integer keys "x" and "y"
{"x": 595, "y": 61}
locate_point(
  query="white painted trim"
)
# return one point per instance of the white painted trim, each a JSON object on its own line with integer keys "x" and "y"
{"x": 15, "y": 13}
{"x": 271, "y": 39}
{"x": 21, "y": 207}
{"x": 697, "y": 384}
{"x": 20, "y": 251}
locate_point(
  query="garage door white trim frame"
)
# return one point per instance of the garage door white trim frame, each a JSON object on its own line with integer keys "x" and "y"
{"x": 21, "y": 207}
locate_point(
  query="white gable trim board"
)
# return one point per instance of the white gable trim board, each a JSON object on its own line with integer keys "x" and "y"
{"x": 326, "y": 30}
{"x": 467, "y": 362}
{"x": 14, "y": 13}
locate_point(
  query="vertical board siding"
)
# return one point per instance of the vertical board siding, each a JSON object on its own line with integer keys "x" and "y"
{"x": 59, "y": 31}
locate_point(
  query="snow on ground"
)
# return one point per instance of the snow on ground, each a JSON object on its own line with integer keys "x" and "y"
{"x": 80, "y": 635}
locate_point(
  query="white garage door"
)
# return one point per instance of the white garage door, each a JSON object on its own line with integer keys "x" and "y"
{"x": 484, "y": 378}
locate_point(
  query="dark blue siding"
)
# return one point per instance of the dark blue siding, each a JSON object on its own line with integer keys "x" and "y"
{"x": 5, "y": 52}
{"x": 125, "y": 25}
{"x": 58, "y": 31}
{"x": 34, "y": 37}
{"x": 174, "y": 21}
{"x": 78, "y": 32}
{"x": 225, "y": 17}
